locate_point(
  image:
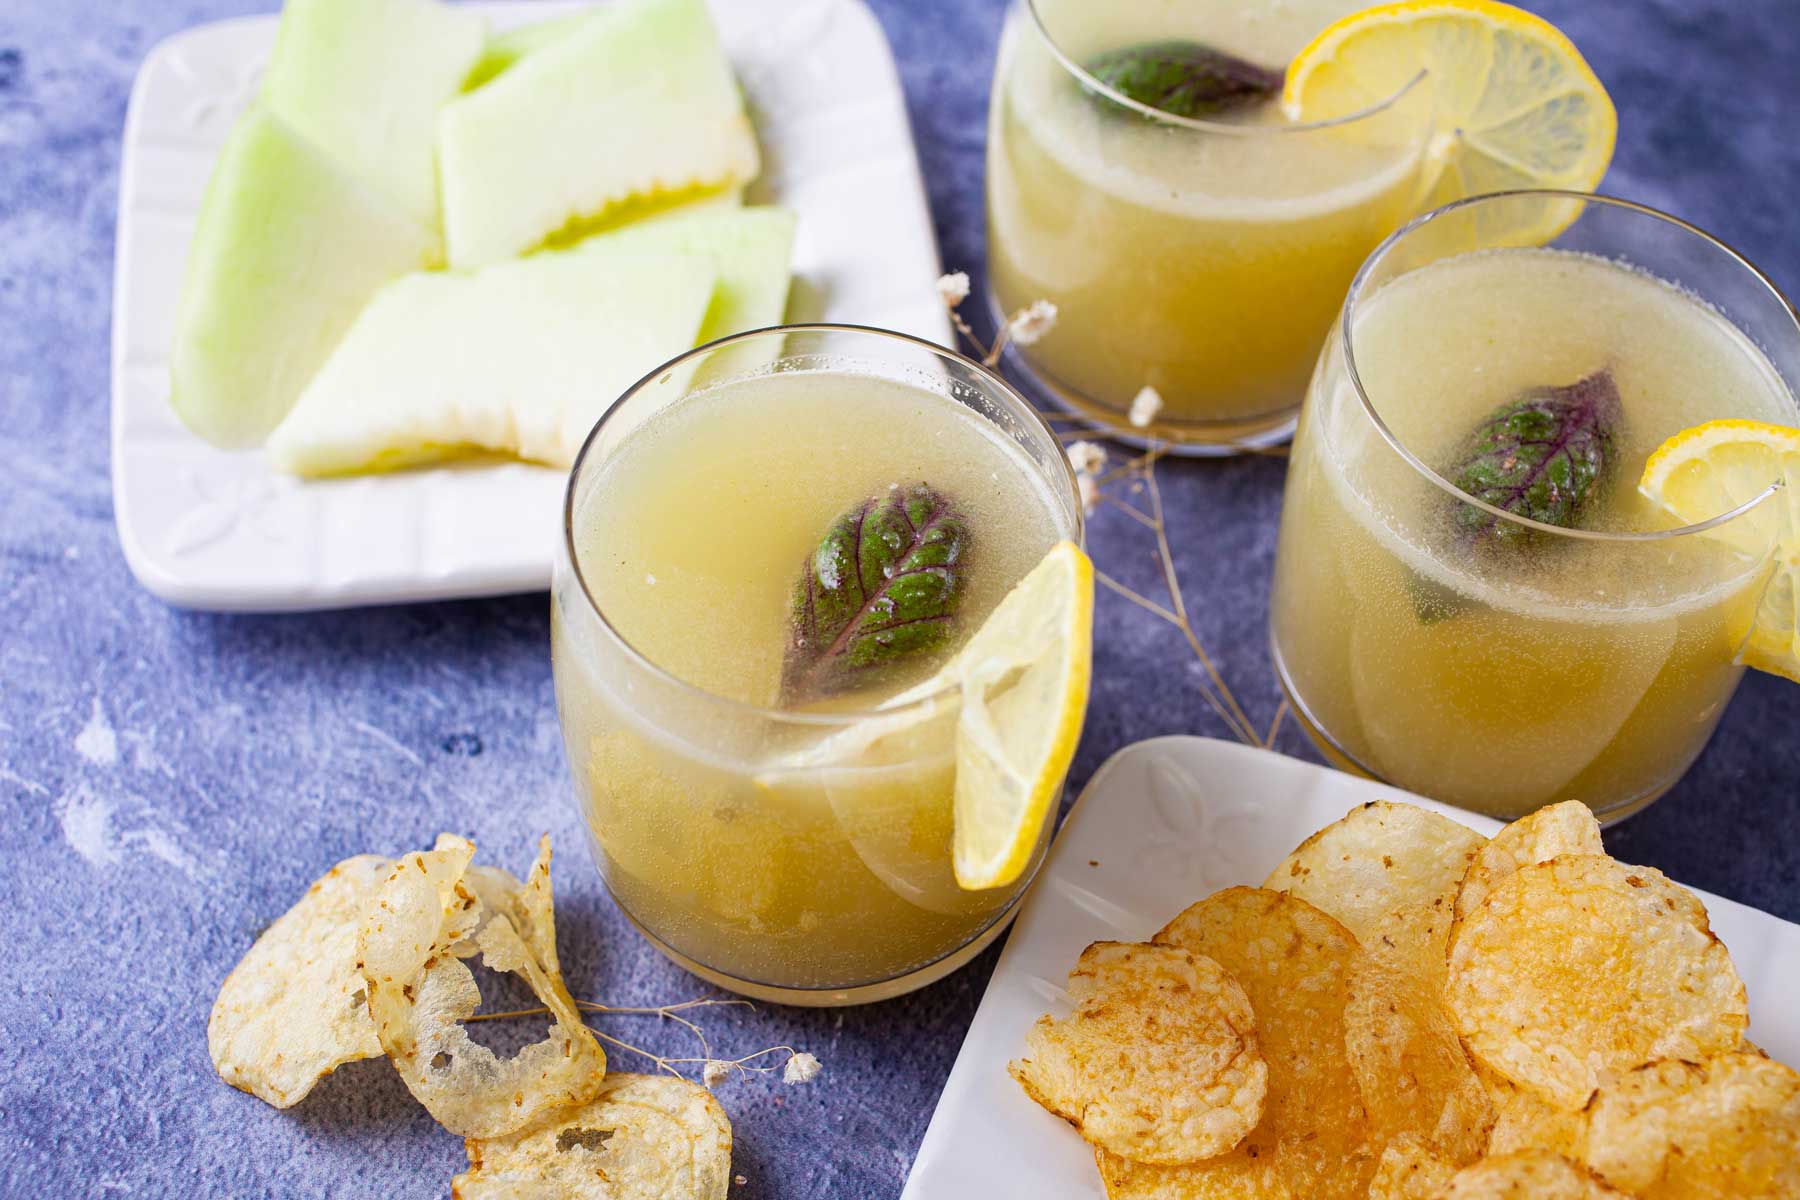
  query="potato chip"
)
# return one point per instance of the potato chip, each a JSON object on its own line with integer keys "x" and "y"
{"x": 1378, "y": 858}
{"x": 1566, "y": 828}
{"x": 295, "y": 1009}
{"x": 1158, "y": 1062}
{"x": 1582, "y": 967}
{"x": 1725, "y": 1129}
{"x": 1414, "y": 1075}
{"x": 641, "y": 1137}
{"x": 1524, "y": 1120}
{"x": 1294, "y": 962}
{"x": 1239, "y": 1175}
{"x": 1529, "y": 1175}
{"x": 423, "y": 922}
{"x": 1409, "y": 1170}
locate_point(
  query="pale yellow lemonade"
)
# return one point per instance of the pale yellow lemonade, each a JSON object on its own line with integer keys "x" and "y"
{"x": 1202, "y": 258}
{"x": 1503, "y": 677}
{"x": 772, "y": 851}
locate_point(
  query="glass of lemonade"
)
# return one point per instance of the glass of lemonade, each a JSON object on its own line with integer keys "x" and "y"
{"x": 1472, "y": 600}
{"x": 738, "y": 816}
{"x": 1201, "y": 256}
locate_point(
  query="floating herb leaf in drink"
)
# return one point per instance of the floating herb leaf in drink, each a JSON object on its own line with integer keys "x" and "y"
{"x": 1185, "y": 79}
{"x": 881, "y": 589}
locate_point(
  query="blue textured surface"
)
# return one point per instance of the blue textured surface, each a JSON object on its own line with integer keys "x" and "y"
{"x": 171, "y": 781}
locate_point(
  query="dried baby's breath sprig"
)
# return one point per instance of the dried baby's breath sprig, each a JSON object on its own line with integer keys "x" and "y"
{"x": 1144, "y": 407}
{"x": 1031, "y": 323}
{"x": 1137, "y": 474}
{"x": 797, "y": 1067}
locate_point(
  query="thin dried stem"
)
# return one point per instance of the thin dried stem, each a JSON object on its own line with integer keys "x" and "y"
{"x": 1133, "y": 511}
{"x": 1281, "y": 712}
{"x": 1144, "y": 602}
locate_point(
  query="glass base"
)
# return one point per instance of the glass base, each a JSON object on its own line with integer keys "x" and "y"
{"x": 1180, "y": 439}
{"x": 867, "y": 993}
{"x": 1343, "y": 760}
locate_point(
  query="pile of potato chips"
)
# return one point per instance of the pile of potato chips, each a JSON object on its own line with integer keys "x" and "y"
{"x": 372, "y": 960}
{"x": 1406, "y": 1010}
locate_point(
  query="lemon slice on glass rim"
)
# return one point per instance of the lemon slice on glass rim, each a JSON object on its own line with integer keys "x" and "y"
{"x": 1017, "y": 691}
{"x": 1712, "y": 469}
{"x": 1516, "y": 105}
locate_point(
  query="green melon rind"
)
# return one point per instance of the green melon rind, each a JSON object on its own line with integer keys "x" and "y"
{"x": 288, "y": 248}
{"x": 365, "y": 80}
{"x": 520, "y": 358}
{"x": 638, "y": 101}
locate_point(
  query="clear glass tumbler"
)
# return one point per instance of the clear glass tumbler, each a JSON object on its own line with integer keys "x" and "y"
{"x": 1204, "y": 258}
{"x": 1558, "y": 636}
{"x": 782, "y": 853}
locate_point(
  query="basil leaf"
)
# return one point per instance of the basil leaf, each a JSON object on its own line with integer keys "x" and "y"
{"x": 882, "y": 588}
{"x": 1544, "y": 456}
{"x": 1185, "y": 79}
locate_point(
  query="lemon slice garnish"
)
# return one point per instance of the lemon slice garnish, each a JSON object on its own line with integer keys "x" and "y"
{"x": 1711, "y": 469}
{"x": 1516, "y": 105}
{"x": 1017, "y": 692}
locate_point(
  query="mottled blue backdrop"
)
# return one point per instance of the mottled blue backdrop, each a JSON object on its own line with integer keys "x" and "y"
{"x": 170, "y": 781}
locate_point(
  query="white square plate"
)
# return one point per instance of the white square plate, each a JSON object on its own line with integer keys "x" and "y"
{"x": 1162, "y": 824}
{"x": 208, "y": 528}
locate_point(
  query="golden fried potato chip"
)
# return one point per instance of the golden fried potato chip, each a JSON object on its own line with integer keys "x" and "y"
{"x": 1566, "y": 828}
{"x": 1524, "y": 1120}
{"x": 1409, "y": 1170}
{"x": 1378, "y": 858}
{"x": 1528, "y": 1175}
{"x": 1725, "y": 1129}
{"x": 424, "y": 921}
{"x": 1238, "y": 1175}
{"x": 1415, "y": 1077}
{"x": 641, "y": 1137}
{"x": 294, "y": 1009}
{"x": 1582, "y": 967}
{"x": 1294, "y": 962}
{"x": 1158, "y": 1062}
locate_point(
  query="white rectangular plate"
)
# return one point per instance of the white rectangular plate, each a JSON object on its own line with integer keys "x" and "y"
{"x": 1165, "y": 823}
{"x": 208, "y": 528}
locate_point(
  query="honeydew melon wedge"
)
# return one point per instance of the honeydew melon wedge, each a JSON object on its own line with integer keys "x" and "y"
{"x": 637, "y": 101}
{"x": 365, "y": 80}
{"x": 288, "y": 248}
{"x": 505, "y": 49}
{"x": 752, "y": 247}
{"x": 521, "y": 358}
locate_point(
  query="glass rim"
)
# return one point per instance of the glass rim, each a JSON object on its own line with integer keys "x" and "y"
{"x": 1346, "y": 323}
{"x": 831, "y": 720}
{"x": 1088, "y": 80}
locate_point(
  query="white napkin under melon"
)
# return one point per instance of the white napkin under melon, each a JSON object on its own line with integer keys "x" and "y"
{"x": 421, "y": 241}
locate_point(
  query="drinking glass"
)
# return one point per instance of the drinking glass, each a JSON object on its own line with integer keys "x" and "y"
{"x": 1202, "y": 258}
{"x": 786, "y": 855}
{"x": 1472, "y": 651}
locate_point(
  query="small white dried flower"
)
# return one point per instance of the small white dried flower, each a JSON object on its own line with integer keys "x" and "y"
{"x": 1032, "y": 322}
{"x": 953, "y": 288}
{"x": 1089, "y": 491}
{"x": 801, "y": 1068}
{"x": 1145, "y": 407}
{"x": 1087, "y": 458}
{"x": 715, "y": 1072}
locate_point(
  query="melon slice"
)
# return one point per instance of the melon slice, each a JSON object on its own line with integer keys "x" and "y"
{"x": 636, "y": 102}
{"x": 522, "y": 358}
{"x": 288, "y": 248}
{"x": 365, "y": 80}
{"x": 752, "y": 248}
{"x": 505, "y": 49}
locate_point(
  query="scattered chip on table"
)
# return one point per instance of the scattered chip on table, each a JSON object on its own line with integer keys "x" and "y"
{"x": 641, "y": 1137}
{"x": 295, "y": 1008}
